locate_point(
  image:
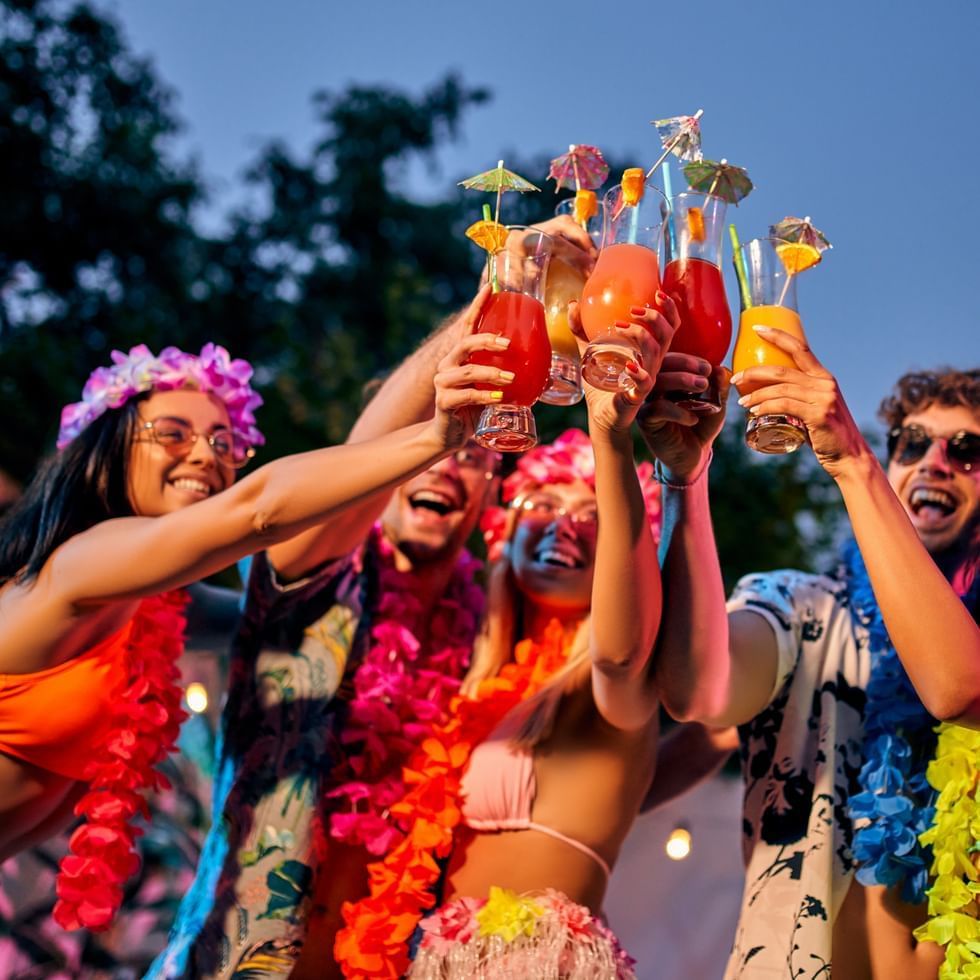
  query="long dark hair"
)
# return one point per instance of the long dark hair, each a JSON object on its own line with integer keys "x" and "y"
{"x": 73, "y": 490}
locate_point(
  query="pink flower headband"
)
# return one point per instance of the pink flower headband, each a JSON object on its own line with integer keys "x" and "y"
{"x": 567, "y": 459}
{"x": 131, "y": 374}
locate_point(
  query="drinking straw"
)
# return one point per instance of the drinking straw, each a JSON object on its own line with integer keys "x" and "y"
{"x": 634, "y": 223}
{"x": 740, "y": 274}
{"x": 671, "y": 230}
{"x": 491, "y": 267}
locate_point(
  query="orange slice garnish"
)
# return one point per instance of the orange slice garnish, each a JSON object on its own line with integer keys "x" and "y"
{"x": 796, "y": 256}
{"x": 585, "y": 207}
{"x": 695, "y": 224}
{"x": 490, "y": 235}
{"x": 633, "y": 183}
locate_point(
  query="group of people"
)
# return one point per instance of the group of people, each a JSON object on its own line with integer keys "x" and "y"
{"x": 426, "y": 769}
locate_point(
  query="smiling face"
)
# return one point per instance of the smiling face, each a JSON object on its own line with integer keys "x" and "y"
{"x": 552, "y": 552}
{"x": 942, "y": 502}
{"x": 430, "y": 517}
{"x": 161, "y": 480}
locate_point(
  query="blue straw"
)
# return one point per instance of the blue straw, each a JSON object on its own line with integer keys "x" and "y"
{"x": 669, "y": 194}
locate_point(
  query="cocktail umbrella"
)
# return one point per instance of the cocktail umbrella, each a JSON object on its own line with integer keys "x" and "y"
{"x": 582, "y": 167}
{"x": 499, "y": 179}
{"x": 804, "y": 246}
{"x": 680, "y": 135}
{"x": 801, "y": 248}
{"x": 720, "y": 178}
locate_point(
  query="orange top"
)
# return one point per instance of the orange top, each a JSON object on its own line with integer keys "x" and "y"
{"x": 56, "y": 718}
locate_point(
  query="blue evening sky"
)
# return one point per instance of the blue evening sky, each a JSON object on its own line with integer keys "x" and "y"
{"x": 862, "y": 114}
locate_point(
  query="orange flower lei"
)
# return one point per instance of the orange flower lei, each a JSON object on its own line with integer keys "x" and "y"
{"x": 374, "y": 943}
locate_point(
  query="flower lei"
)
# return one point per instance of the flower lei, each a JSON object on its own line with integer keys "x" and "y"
{"x": 895, "y": 803}
{"x": 954, "y": 896}
{"x": 146, "y": 722}
{"x": 140, "y": 370}
{"x": 374, "y": 943}
{"x": 400, "y": 691}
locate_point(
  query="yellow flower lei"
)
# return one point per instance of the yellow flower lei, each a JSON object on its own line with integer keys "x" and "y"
{"x": 954, "y": 896}
{"x": 507, "y": 914}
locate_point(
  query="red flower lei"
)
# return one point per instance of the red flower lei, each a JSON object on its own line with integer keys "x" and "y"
{"x": 146, "y": 722}
{"x": 401, "y": 689}
{"x": 374, "y": 943}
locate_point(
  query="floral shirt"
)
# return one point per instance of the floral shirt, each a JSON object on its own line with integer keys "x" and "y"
{"x": 800, "y": 760}
{"x": 245, "y": 913}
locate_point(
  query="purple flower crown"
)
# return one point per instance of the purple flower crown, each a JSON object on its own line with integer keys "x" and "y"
{"x": 140, "y": 370}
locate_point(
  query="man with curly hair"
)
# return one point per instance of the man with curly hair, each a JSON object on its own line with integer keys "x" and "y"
{"x": 835, "y": 681}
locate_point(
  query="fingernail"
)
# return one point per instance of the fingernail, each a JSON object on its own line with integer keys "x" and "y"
{"x": 700, "y": 382}
{"x": 506, "y": 377}
{"x": 638, "y": 310}
{"x": 736, "y": 378}
{"x": 497, "y": 396}
{"x": 622, "y": 324}
{"x": 502, "y": 341}
{"x": 632, "y": 366}
{"x": 758, "y": 328}
{"x": 743, "y": 400}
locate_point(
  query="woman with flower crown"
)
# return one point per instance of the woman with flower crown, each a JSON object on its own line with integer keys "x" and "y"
{"x": 90, "y": 559}
{"x": 530, "y": 786}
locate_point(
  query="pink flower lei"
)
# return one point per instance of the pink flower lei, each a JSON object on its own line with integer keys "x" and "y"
{"x": 401, "y": 690}
{"x": 146, "y": 723}
{"x": 140, "y": 370}
{"x": 567, "y": 459}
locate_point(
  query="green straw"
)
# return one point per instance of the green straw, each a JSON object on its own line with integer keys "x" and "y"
{"x": 491, "y": 265}
{"x": 740, "y": 274}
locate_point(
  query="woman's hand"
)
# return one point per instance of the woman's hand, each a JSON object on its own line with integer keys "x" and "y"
{"x": 458, "y": 403}
{"x": 650, "y": 331}
{"x": 679, "y": 438}
{"x": 808, "y": 391}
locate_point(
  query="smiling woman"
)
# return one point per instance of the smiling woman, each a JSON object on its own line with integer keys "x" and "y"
{"x": 139, "y": 501}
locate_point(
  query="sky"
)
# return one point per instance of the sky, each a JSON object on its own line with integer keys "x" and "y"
{"x": 861, "y": 114}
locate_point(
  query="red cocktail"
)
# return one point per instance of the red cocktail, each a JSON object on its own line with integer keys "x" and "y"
{"x": 521, "y": 318}
{"x": 515, "y": 310}
{"x": 693, "y": 280}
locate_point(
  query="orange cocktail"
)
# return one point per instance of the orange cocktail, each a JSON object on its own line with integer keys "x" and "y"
{"x": 768, "y": 294}
{"x": 563, "y": 285}
{"x": 752, "y": 351}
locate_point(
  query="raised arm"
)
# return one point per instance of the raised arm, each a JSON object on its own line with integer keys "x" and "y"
{"x": 279, "y": 500}
{"x": 709, "y": 667}
{"x": 626, "y": 594}
{"x": 917, "y": 603}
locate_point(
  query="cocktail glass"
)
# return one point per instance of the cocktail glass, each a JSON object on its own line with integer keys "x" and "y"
{"x": 626, "y": 274}
{"x": 772, "y": 303}
{"x": 515, "y": 309}
{"x": 563, "y": 284}
{"x": 693, "y": 280}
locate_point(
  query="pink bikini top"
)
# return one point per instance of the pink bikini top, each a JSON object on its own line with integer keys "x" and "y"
{"x": 499, "y": 790}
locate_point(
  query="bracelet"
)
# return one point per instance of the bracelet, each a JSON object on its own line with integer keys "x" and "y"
{"x": 660, "y": 476}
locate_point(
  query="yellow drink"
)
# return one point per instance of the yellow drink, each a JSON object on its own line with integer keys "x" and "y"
{"x": 564, "y": 285}
{"x": 752, "y": 351}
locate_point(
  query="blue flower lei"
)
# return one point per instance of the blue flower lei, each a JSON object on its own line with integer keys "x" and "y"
{"x": 895, "y": 804}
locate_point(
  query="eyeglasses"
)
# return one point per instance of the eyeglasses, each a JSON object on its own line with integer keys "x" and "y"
{"x": 908, "y": 444}
{"x": 546, "y": 507}
{"x": 178, "y": 437}
{"x": 476, "y": 458}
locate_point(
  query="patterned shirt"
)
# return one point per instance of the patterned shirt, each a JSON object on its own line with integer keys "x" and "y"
{"x": 245, "y": 914}
{"x": 800, "y": 760}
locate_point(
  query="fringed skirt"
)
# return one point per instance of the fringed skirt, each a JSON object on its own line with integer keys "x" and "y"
{"x": 539, "y": 936}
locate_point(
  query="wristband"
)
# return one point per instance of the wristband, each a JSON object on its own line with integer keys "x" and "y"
{"x": 660, "y": 476}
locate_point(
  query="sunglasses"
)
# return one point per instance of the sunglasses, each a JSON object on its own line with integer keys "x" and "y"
{"x": 908, "y": 444}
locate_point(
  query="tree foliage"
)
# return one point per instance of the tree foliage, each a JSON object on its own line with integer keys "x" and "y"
{"x": 331, "y": 276}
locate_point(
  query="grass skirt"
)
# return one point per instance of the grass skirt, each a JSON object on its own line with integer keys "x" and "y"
{"x": 539, "y": 936}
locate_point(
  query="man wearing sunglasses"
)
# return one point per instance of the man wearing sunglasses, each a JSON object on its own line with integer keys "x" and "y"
{"x": 835, "y": 681}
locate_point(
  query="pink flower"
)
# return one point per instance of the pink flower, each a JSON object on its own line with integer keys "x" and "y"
{"x": 450, "y": 925}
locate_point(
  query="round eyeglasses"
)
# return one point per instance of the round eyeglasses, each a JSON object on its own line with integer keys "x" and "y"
{"x": 177, "y": 436}
{"x": 542, "y": 506}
